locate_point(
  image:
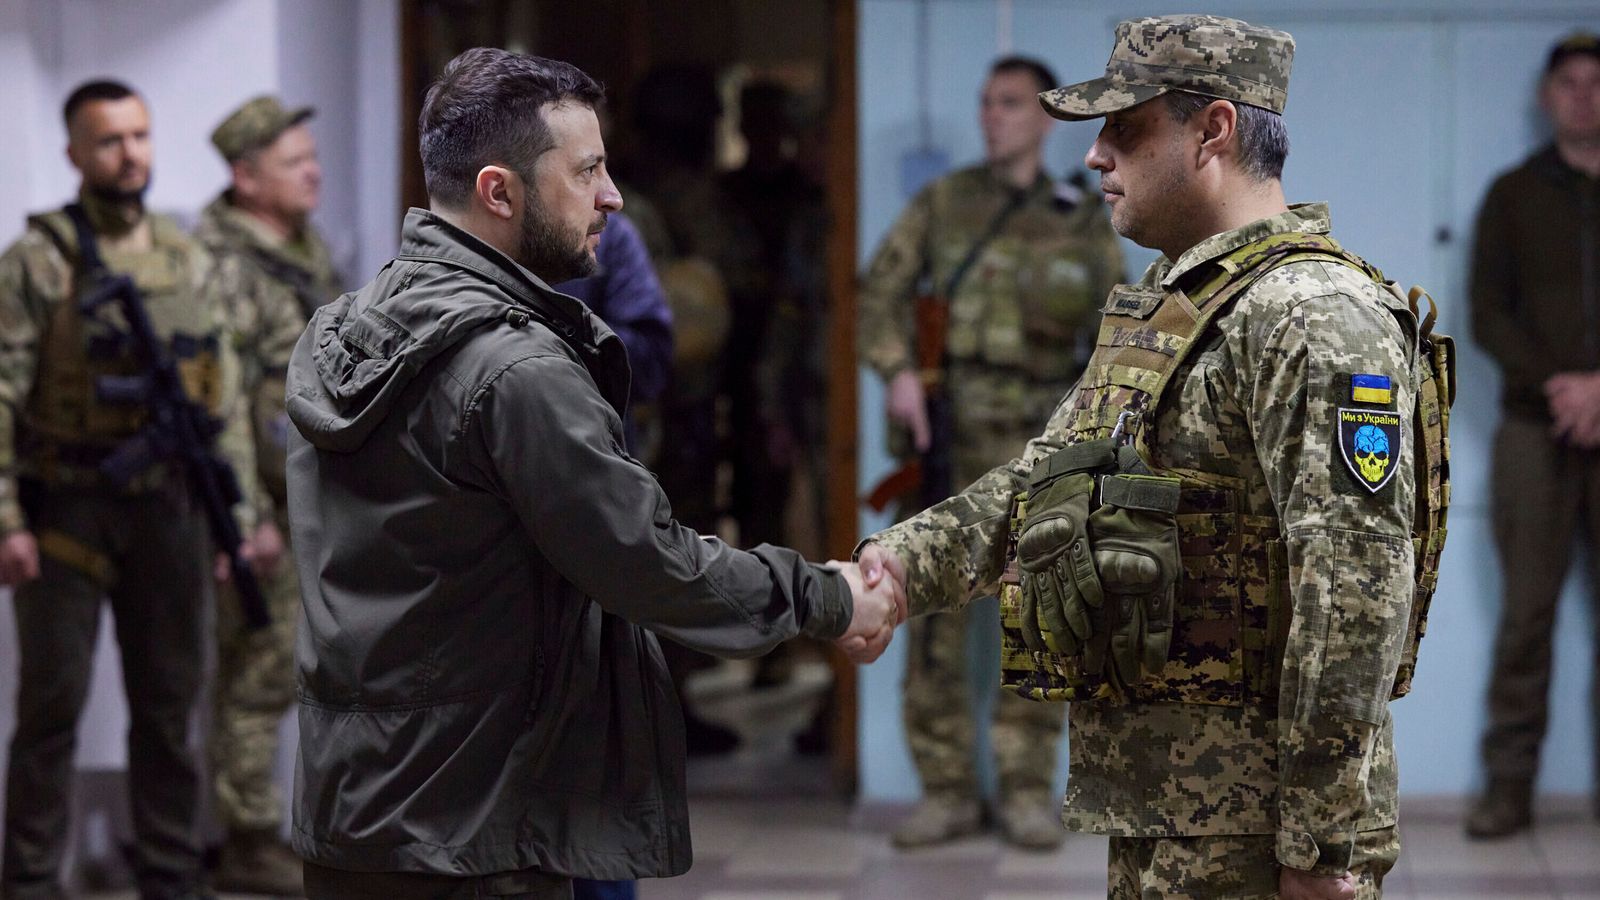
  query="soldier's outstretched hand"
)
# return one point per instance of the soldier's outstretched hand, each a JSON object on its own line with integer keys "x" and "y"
{"x": 908, "y": 406}
{"x": 875, "y": 563}
{"x": 876, "y": 611}
{"x": 19, "y": 558}
{"x": 1294, "y": 884}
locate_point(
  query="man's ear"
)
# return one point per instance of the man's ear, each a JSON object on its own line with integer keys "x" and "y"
{"x": 1218, "y": 122}
{"x": 498, "y": 191}
{"x": 244, "y": 178}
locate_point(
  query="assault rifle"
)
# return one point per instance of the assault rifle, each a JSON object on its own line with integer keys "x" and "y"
{"x": 179, "y": 429}
{"x": 930, "y": 477}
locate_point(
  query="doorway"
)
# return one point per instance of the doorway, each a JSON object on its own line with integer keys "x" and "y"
{"x": 731, "y": 126}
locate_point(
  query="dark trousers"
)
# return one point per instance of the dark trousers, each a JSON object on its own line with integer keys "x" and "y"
{"x": 1545, "y": 496}
{"x": 323, "y": 883}
{"x": 147, "y": 554}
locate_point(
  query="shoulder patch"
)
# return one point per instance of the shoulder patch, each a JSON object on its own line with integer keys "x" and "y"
{"x": 1371, "y": 389}
{"x": 1371, "y": 442}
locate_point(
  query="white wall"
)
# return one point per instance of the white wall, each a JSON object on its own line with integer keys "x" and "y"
{"x": 1398, "y": 115}
{"x": 195, "y": 61}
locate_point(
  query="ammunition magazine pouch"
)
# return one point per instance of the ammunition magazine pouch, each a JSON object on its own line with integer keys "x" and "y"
{"x": 1126, "y": 586}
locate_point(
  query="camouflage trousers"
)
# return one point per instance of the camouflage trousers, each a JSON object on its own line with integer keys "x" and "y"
{"x": 1236, "y": 866}
{"x": 939, "y": 721}
{"x": 255, "y": 687}
{"x": 1546, "y": 496}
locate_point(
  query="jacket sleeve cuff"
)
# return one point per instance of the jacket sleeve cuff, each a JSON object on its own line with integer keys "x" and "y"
{"x": 831, "y": 612}
{"x": 1329, "y": 856}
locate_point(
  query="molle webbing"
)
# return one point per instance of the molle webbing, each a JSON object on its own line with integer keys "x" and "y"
{"x": 1233, "y": 606}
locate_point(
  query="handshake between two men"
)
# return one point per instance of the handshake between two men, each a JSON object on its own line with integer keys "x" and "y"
{"x": 879, "y": 603}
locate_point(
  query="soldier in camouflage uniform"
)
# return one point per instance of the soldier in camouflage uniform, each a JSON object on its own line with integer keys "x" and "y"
{"x": 71, "y": 536}
{"x": 1021, "y": 324}
{"x": 1239, "y": 745}
{"x": 273, "y": 270}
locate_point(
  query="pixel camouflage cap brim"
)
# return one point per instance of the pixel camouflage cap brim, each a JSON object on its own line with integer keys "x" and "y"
{"x": 1218, "y": 57}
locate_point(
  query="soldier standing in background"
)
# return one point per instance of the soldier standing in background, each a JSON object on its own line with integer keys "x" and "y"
{"x": 1536, "y": 310}
{"x": 1209, "y": 549}
{"x": 1021, "y": 262}
{"x": 272, "y": 271}
{"x": 71, "y": 535}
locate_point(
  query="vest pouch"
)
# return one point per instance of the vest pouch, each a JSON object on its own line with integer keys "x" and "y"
{"x": 1136, "y": 552}
{"x": 1061, "y": 599}
{"x": 1061, "y": 595}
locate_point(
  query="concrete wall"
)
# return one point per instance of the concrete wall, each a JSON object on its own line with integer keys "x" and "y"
{"x": 1399, "y": 115}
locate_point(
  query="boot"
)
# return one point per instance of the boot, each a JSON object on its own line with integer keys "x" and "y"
{"x": 1504, "y": 809}
{"x": 256, "y": 862}
{"x": 937, "y": 819}
{"x": 1031, "y": 822}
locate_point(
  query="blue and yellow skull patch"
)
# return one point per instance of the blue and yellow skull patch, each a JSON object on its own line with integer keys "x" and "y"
{"x": 1370, "y": 440}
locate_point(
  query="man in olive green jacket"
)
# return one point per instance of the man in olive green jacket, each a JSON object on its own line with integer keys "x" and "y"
{"x": 480, "y": 710}
{"x": 1536, "y": 310}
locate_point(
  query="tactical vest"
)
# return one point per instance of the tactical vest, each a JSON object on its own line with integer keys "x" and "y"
{"x": 1233, "y": 609}
{"x": 71, "y": 420}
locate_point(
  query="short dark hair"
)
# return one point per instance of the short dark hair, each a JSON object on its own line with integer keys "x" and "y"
{"x": 90, "y": 91}
{"x": 1263, "y": 138}
{"x": 1027, "y": 65}
{"x": 486, "y": 108}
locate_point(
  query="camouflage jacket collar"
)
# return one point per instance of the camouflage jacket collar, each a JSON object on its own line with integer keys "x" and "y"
{"x": 1307, "y": 217}
{"x": 223, "y": 222}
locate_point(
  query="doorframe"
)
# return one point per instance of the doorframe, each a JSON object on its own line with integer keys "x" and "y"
{"x": 844, "y": 504}
{"x": 841, "y": 516}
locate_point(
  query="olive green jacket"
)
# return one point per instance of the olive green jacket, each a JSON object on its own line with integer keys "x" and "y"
{"x": 477, "y": 555}
{"x": 1536, "y": 278}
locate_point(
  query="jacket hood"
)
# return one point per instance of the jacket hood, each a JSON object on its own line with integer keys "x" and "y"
{"x": 359, "y": 353}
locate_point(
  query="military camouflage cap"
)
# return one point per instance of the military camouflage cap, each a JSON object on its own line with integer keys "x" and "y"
{"x": 255, "y": 125}
{"x": 1209, "y": 55}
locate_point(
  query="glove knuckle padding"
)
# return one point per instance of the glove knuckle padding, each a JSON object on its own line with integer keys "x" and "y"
{"x": 1058, "y": 579}
{"x": 1136, "y": 552}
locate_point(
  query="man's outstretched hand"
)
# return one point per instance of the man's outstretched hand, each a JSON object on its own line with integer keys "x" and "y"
{"x": 878, "y": 608}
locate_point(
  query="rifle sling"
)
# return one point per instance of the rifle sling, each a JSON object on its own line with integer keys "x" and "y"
{"x": 1018, "y": 200}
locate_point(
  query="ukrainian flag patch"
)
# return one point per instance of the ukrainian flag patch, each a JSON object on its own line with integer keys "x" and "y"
{"x": 1371, "y": 389}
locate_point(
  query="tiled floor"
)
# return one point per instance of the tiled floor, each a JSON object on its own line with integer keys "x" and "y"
{"x": 816, "y": 849}
{"x": 766, "y": 827}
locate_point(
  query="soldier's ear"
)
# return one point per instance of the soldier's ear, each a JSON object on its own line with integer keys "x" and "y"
{"x": 1217, "y": 123}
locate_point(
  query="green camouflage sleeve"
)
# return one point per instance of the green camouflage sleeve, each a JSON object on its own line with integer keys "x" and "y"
{"x": 1347, "y": 546}
{"x": 955, "y": 550}
{"x": 30, "y": 271}
{"x": 235, "y": 443}
{"x": 888, "y": 291}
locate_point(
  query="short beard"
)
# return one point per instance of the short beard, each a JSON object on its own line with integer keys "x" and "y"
{"x": 111, "y": 194}
{"x": 549, "y": 254}
{"x": 1155, "y": 226}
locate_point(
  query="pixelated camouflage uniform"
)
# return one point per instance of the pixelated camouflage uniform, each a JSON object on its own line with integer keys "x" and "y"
{"x": 1021, "y": 326}
{"x": 1304, "y": 756}
{"x": 144, "y": 545}
{"x": 270, "y": 286}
